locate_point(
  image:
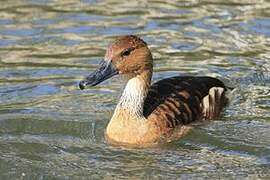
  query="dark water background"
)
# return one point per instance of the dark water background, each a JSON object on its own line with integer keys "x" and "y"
{"x": 49, "y": 129}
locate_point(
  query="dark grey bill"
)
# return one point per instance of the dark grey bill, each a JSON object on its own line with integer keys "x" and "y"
{"x": 103, "y": 72}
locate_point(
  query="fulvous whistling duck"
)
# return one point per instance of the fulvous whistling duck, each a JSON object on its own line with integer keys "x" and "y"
{"x": 148, "y": 114}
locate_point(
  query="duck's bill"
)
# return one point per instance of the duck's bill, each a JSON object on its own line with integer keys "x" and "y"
{"x": 103, "y": 72}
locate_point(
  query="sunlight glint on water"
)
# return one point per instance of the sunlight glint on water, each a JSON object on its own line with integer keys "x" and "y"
{"x": 51, "y": 129}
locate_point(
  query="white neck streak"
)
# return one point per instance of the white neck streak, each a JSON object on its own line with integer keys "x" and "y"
{"x": 134, "y": 94}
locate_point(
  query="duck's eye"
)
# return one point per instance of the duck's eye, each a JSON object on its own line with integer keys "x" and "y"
{"x": 126, "y": 53}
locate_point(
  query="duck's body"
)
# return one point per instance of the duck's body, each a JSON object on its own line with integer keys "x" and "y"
{"x": 148, "y": 114}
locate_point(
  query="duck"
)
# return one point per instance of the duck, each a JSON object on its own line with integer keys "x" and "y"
{"x": 149, "y": 114}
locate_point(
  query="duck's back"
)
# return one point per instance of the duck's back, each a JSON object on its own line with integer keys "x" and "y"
{"x": 184, "y": 99}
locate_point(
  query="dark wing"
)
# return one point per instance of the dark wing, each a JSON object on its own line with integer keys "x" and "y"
{"x": 178, "y": 100}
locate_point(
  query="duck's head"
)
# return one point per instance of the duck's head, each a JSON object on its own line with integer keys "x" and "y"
{"x": 128, "y": 55}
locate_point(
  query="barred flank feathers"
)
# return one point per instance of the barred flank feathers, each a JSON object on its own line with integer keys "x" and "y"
{"x": 182, "y": 100}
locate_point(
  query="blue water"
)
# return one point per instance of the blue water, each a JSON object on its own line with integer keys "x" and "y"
{"x": 49, "y": 129}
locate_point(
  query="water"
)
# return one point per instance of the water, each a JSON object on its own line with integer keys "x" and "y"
{"x": 49, "y": 129}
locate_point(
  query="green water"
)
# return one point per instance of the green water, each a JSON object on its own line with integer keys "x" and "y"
{"x": 49, "y": 129}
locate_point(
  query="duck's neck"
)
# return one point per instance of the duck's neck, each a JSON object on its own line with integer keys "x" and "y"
{"x": 132, "y": 99}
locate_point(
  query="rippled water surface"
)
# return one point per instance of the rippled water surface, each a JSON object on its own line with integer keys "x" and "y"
{"x": 50, "y": 129}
